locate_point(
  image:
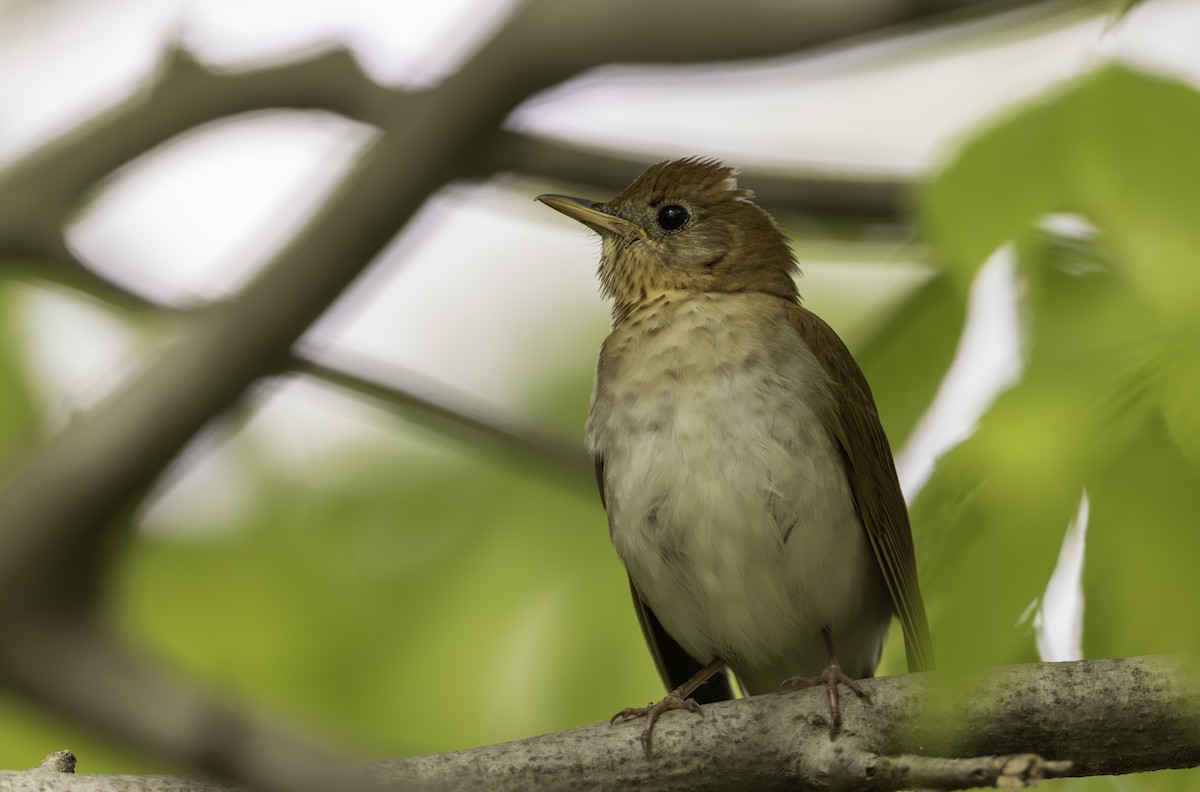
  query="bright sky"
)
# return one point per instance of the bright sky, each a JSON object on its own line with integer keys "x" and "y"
{"x": 197, "y": 218}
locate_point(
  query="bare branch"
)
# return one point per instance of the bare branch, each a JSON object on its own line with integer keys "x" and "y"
{"x": 861, "y": 198}
{"x": 450, "y": 416}
{"x": 40, "y": 192}
{"x": 1082, "y": 718}
{"x": 432, "y": 406}
{"x": 926, "y": 772}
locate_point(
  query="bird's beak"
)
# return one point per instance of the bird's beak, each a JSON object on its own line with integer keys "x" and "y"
{"x": 588, "y": 213}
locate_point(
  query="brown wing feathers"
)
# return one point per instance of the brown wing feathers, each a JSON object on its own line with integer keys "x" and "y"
{"x": 873, "y": 482}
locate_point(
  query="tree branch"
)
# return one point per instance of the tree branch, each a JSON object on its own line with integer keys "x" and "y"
{"x": 430, "y": 406}
{"x": 39, "y": 193}
{"x": 449, "y": 416}
{"x": 78, "y": 668}
{"x": 1016, "y": 724}
{"x": 862, "y": 198}
{"x": 924, "y": 772}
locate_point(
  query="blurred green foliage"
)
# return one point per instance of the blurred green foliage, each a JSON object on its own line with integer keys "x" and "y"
{"x": 407, "y": 598}
{"x": 1108, "y": 400}
{"x": 407, "y": 606}
{"x": 1105, "y": 403}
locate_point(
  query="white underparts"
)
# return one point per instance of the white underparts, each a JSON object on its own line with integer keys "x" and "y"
{"x": 727, "y": 499}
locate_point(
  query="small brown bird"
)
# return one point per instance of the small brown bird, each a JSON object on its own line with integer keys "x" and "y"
{"x": 750, "y": 489}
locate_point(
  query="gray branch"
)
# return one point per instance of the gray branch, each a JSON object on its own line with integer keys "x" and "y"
{"x": 452, "y": 417}
{"x": 39, "y": 193}
{"x": 859, "y": 198}
{"x": 1009, "y": 727}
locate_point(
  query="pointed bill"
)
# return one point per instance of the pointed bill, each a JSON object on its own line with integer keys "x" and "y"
{"x": 590, "y": 214}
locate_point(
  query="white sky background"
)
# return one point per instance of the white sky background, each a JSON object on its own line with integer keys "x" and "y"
{"x": 198, "y": 218}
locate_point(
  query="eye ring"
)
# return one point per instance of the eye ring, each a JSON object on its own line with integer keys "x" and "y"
{"x": 672, "y": 217}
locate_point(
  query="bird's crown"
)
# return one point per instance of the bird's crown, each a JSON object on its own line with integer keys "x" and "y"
{"x": 684, "y": 225}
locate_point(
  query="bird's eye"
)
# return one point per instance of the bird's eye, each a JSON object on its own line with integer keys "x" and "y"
{"x": 672, "y": 218}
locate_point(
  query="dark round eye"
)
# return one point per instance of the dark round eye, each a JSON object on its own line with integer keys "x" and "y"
{"x": 672, "y": 218}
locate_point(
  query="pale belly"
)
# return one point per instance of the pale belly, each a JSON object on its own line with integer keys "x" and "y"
{"x": 727, "y": 499}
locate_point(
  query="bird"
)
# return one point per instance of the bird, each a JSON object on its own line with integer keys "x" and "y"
{"x": 749, "y": 486}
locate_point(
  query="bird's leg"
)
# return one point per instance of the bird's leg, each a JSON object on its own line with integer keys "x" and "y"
{"x": 675, "y": 700}
{"x": 831, "y": 677}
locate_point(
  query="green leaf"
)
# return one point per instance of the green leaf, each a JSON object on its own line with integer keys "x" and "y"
{"x": 1161, "y": 781}
{"x": 997, "y": 187}
{"x": 1108, "y": 399}
{"x": 991, "y": 520}
{"x": 906, "y": 359}
{"x": 1180, "y": 392}
{"x": 1117, "y": 146}
{"x": 1132, "y": 169}
{"x": 989, "y": 524}
{"x": 1141, "y": 550}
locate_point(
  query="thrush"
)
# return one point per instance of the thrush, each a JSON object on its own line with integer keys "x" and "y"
{"x": 750, "y": 489}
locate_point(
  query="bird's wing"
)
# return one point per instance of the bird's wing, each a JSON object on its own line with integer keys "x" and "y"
{"x": 675, "y": 666}
{"x": 854, "y": 423}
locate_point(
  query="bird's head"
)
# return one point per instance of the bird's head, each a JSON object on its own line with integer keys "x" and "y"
{"x": 684, "y": 225}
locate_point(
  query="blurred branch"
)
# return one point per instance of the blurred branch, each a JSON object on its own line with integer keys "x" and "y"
{"x": 1093, "y": 717}
{"x": 99, "y": 683}
{"x": 430, "y": 405}
{"x": 846, "y": 195}
{"x": 74, "y": 274}
{"x": 38, "y": 194}
{"x": 434, "y": 408}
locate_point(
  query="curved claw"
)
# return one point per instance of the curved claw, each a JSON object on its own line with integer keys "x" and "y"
{"x": 652, "y": 712}
{"x": 831, "y": 677}
{"x": 632, "y": 712}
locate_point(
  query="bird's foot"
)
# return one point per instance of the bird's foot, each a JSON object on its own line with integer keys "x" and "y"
{"x": 831, "y": 677}
{"x": 651, "y": 712}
